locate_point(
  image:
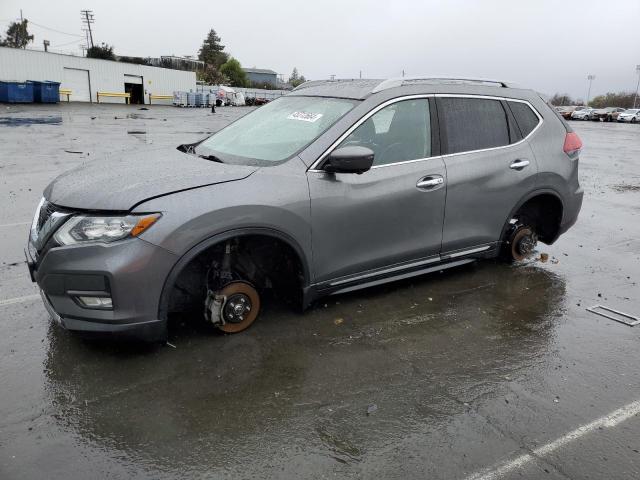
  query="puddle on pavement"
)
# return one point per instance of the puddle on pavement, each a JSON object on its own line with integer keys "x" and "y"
{"x": 413, "y": 346}
{"x": 28, "y": 121}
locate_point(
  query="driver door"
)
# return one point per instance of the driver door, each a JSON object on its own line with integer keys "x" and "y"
{"x": 392, "y": 213}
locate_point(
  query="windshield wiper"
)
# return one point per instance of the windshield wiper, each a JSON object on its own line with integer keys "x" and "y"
{"x": 213, "y": 158}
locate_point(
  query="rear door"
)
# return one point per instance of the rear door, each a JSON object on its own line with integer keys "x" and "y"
{"x": 490, "y": 167}
{"x": 390, "y": 214}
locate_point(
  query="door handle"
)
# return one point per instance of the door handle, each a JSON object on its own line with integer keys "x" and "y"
{"x": 519, "y": 164}
{"x": 430, "y": 182}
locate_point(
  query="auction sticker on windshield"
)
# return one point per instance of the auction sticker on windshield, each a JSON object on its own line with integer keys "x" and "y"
{"x": 305, "y": 116}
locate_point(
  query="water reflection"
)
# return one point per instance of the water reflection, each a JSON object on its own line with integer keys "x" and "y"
{"x": 300, "y": 385}
{"x": 28, "y": 121}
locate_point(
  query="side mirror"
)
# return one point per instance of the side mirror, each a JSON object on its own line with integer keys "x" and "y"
{"x": 351, "y": 159}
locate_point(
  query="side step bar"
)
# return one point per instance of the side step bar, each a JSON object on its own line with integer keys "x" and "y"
{"x": 400, "y": 276}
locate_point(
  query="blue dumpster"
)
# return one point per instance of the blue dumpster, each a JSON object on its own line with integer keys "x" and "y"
{"x": 16, "y": 92}
{"x": 46, "y": 92}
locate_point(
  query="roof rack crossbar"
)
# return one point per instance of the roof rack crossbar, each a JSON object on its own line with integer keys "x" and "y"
{"x": 400, "y": 81}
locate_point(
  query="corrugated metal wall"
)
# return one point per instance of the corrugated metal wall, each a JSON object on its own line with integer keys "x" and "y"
{"x": 104, "y": 75}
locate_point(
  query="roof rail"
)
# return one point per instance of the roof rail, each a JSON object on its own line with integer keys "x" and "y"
{"x": 309, "y": 83}
{"x": 400, "y": 81}
{"x": 313, "y": 83}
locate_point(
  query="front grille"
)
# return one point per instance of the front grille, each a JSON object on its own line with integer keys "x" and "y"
{"x": 50, "y": 217}
{"x": 46, "y": 211}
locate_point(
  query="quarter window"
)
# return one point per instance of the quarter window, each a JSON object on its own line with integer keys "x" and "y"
{"x": 474, "y": 124}
{"x": 397, "y": 133}
{"x": 526, "y": 119}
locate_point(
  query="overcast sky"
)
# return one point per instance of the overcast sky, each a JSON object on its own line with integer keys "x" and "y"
{"x": 549, "y": 45}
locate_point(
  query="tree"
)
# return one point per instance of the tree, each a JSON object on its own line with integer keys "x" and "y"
{"x": 562, "y": 99}
{"x": 234, "y": 72}
{"x": 136, "y": 60}
{"x": 211, "y": 75}
{"x": 103, "y": 51}
{"x": 296, "y": 79}
{"x": 212, "y": 51}
{"x": 611, "y": 99}
{"x": 17, "y": 35}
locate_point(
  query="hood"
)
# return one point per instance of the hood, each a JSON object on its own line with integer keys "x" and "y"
{"x": 120, "y": 182}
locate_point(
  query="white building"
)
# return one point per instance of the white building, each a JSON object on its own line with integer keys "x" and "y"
{"x": 85, "y": 77}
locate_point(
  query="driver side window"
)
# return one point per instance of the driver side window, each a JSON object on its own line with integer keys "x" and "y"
{"x": 397, "y": 133}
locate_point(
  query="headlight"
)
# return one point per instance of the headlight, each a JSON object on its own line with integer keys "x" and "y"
{"x": 83, "y": 228}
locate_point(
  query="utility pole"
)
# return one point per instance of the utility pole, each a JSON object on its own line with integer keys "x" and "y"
{"x": 591, "y": 78}
{"x": 637, "y": 85}
{"x": 87, "y": 19}
{"x": 21, "y": 18}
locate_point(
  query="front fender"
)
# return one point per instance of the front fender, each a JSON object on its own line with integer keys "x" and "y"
{"x": 181, "y": 264}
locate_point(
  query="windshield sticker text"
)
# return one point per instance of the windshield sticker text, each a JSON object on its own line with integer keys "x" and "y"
{"x": 305, "y": 116}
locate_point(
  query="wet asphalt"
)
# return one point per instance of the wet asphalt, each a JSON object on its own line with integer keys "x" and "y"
{"x": 440, "y": 377}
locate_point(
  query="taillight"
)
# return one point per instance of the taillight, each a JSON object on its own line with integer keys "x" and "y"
{"x": 572, "y": 144}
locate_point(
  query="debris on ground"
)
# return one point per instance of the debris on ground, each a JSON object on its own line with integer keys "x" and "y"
{"x": 371, "y": 409}
{"x": 170, "y": 345}
{"x": 624, "y": 187}
{"x": 339, "y": 321}
{"x": 544, "y": 257}
{"x": 616, "y": 315}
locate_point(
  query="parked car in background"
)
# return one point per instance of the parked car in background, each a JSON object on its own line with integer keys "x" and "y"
{"x": 565, "y": 111}
{"x": 582, "y": 114}
{"x": 631, "y": 115}
{"x": 607, "y": 114}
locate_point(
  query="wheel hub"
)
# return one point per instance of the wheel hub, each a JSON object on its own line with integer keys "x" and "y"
{"x": 240, "y": 308}
{"x": 236, "y": 307}
{"x": 523, "y": 243}
{"x": 526, "y": 244}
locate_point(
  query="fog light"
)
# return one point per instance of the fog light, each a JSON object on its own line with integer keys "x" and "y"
{"x": 96, "y": 302}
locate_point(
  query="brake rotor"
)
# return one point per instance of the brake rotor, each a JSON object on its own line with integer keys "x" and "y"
{"x": 523, "y": 243}
{"x": 241, "y": 307}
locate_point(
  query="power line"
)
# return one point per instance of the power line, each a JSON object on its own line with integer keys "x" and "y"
{"x": 69, "y": 43}
{"x": 54, "y": 30}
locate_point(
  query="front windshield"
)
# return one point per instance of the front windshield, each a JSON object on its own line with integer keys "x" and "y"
{"x": 276, "y": 131}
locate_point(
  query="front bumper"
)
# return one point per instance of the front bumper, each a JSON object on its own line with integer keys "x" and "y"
{"x": 132, "y": 272}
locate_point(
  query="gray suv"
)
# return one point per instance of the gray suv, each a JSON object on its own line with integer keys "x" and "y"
{"x": 337, "y": 186}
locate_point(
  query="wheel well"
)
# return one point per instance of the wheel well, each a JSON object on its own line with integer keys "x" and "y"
{"x": 269, "y": 263}
{"x": 544, "y": 212}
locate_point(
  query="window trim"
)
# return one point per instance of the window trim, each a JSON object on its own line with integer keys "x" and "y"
{"x": 315, "y": 165}
{"x": 491, "y": 97}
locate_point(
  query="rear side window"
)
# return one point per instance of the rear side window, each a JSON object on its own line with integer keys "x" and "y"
{"x": 526, "y": 119}
{"x": 474, "y": 124}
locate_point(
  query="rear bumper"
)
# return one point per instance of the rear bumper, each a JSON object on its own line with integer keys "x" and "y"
{"x": 572, "y": 207}
{"x": 131, "y": 272}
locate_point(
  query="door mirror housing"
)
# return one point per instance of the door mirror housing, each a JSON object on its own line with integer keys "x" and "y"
{"x": 352, "y": 159}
